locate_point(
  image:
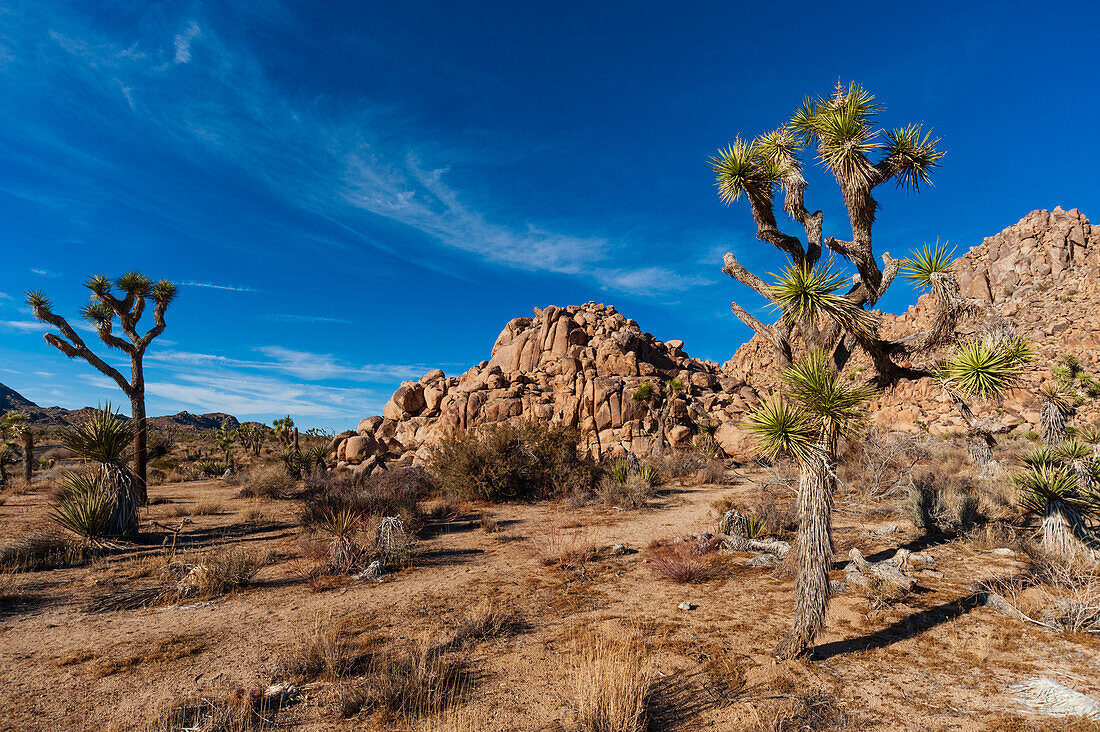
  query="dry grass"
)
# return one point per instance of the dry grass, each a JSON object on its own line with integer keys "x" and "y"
{"x": 11, "y": 588}
{"x": 563, "y": 548}
{"x": 243, "y": 712}
{"x": 38, "y": 551}
{"x": 683, "y": 564}
{"x": 487, "y": 523}
{"x": 133, "y": 656}
{"x": 403, "y": 685}
{"x": 323, "y": 651}
{"x": 484, "y": 621}
{"x": 611, "y": 685}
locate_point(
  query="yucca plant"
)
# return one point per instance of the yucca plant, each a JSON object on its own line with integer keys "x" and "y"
{"x": 754, "y": 527}
{"x": 85, "y": 505}
{"x": 1039, "y": 457}
{"x": 820, "y": 408}
{"x": 341, "y": 527}
{"x": 7, "y": 457}
{"x": 620, "y": 471}
{"x": 105, "y": 439}
{"x": 1052, "y": 492}
{"x": 313, "y": 457}
{"x": 985, "y": 368}
{"x": 648, "y": 473}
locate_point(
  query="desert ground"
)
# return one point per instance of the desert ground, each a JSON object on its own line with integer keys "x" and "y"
{"x": 512, "y": 598}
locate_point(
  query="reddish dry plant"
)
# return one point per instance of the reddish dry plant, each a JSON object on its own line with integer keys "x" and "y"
{"x": 682, "y": 564}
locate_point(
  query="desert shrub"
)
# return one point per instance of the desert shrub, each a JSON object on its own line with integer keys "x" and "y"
{"x": 158, "y": 445}
{"x": 167, "y": 464}
{"x": 942, "y": 503}
{"x": 633, "y": 492}
{"x": 487, "y": 522}
{"x": 681, "y": 563}
{"x": 266, "y": 481}
{"x": 395, "y": 492}
{"x": 762, "y": 515}
{"x": 611, "y": 686}
{"x": 513, "y": 462}
{"x": 881, "y": 463}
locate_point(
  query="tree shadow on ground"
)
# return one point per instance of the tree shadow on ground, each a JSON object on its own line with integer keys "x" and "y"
{"x": 908, "y": 627}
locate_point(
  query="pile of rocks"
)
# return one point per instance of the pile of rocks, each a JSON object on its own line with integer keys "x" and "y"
{"x": 581, "y": 365}
{"x": 578, "y": 365}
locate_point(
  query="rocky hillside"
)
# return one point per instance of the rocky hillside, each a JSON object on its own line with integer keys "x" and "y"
{"x": 582, "y": 365}
{"x": 61, "y": 417}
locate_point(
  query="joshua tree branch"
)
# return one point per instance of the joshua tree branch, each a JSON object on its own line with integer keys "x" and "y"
{"x": 779, "y": 339}
{"x": 77, "y": 349}
{"x": 768, "y": 230}
{"x": 735, "y": 270}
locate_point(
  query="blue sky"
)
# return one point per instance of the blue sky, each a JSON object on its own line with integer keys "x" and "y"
{"x": 352, "y": 193}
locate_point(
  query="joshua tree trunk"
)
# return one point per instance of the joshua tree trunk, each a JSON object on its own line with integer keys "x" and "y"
{"x": 814, "y": 555}
{"x": 1064, "y": 531}
{"x": 124, "y": 516}
{"x": 1052, "y": 423}
{"x": 141, "y": 436}
{"x": 28, "y": 456}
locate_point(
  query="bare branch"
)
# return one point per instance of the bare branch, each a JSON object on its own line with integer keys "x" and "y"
{"x": 735, "y": 270}
{"x": 779, "y": 338}
{"x": 75, "y": 347}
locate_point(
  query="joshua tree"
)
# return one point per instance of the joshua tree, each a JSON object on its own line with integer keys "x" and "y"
{"x": 252, "y": 437}
{"x": 284, "y": 429}
{"x": 820, "y": 409}
{"x": 224, "y": 438}
{"x": 104, "y": 440}
{"x": 820, "y": 311}
{"x": 127, "y": 306}
{"x": 15, "y": 424}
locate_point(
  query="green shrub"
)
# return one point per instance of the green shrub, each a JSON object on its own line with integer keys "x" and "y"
{"x": 210, "y": 468}
{"x": 643, "y": 393}
{"x": 513, "y": 462}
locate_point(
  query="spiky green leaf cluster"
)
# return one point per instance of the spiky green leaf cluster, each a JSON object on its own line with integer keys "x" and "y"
{"x": 1057, "y": 396}
{"x": 837, "y": 406}
{"x": 98, "y": 315}
{"x": 37, "y": 300}
{"x": 85, "y": 505}
{"x": 782, "y": 428}
{"x": 1039, "y": 457}
{"x": 986, "y": 367}
{"x": 806, "y": 293}
{"x": 931, "y": 260}
{"x": 1072, "y": 450}
{"x": 915, "y": 155}
{"x": 1051, "y": 484}
{"x": 104, "y": 438}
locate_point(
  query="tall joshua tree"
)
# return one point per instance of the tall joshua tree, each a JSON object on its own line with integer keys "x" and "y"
{"x": 122, "y": 300}
{"x": 821, "y": 310}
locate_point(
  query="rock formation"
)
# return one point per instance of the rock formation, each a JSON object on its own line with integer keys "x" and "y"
{"x": 581, "y": 365}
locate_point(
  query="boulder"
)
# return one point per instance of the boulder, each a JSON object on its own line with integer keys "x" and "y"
{"x": 735, "y": 442}
{"x": 358, "y": 448}
{"x": 406, "y": 402}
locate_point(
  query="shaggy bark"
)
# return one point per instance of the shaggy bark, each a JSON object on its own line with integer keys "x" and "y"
{"x": 124, "y": 511}
{"x": 1065, "y": 533}
{"x": 814, "y": 556}
{"x": 1052, "y": 423}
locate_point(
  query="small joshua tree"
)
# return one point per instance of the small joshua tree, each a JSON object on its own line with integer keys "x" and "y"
{"x": 252, "y": 437}
{"x": 807, "y": 424}
{"x": 824, "y": 312}
{"x": 1056, "y": 407}
{"x": 224, "y": 439}
{"x": 284, "y": 429}
{"x": 122, "y": 300}
{"x": 1060, "y": 488}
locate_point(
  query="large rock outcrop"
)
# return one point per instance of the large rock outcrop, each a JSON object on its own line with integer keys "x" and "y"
{"x": 578, "y": 365}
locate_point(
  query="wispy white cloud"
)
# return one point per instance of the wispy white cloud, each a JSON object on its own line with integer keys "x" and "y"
{"x": 26, "y": 326}
{"x": 650, "y": 280}
{"x": 288, "y": 318}
{"x": 45, "y": 272}
{"x": 345, "y": 162}
{"x": 183, "y": 40}
{"x": 301, "y": 364}
{"x": 214, "y": 286}
{"x": 4, "y": 296}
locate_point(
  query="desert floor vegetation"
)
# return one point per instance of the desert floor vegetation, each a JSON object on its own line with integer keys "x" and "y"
{"x": 555, "y": 613}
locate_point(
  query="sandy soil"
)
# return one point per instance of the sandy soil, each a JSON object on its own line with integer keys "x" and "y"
{"x": 933, "y": 662}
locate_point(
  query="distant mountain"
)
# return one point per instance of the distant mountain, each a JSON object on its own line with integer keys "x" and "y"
{"x": 61, "y": 417}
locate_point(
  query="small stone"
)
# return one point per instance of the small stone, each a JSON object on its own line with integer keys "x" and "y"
{"x": 764, "y": 560}
{"x": 886, "y": 529}
{"x": 618, "y": 550}
{"x": 685, "y": 605}
{"x": 1003, "y": 551}
{"x": 836, "y": 587}
{"x": 280, "y": 695}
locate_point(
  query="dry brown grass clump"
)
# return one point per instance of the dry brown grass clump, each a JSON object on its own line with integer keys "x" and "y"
{"x": 611, "y": 685}
{"x": 405, "y": 684}
{"x": 324, "y": 651}
{"x": 244, "y": 711}
{"x": 39, "y": 551}
{"x": 11, "y": 588}
{"x": 269, "y": 480}
{"x": 563, "y": 548}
